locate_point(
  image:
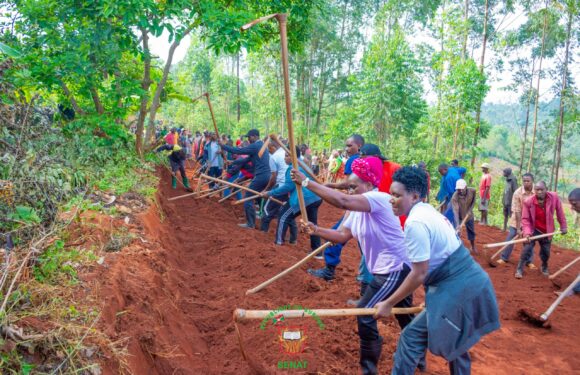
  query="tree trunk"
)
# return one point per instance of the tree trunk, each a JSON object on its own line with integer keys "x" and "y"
{"x": 456, "y": 134}
{"x": 466, "y": 20}
{"x": 558, "y": 153}
{"x": 439, "y": 88}
{"x": 118, "y": 88}
{"x": 481, "y": 66}
{"x": 338, "y": 60}
{"x": 238, "y": 75}
{"x": 537, "y": 104}
{"x": 145, "y": 84}
{"x": 71, "y": 98}
{"x": 310, "y": 82}
{"x": 523, "y": 152}
{"x": 96, "y": 100}
{"x": 161, "y": 85}
{"x": 321, "y": 95}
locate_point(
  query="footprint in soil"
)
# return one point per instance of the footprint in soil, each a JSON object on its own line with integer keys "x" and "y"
{"x": 313, "y": 286}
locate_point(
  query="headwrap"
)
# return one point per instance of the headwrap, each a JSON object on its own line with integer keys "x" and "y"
{"x": 369, "y": 169}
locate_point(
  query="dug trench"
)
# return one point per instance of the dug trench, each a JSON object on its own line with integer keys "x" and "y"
{"x": 169, "y": 298}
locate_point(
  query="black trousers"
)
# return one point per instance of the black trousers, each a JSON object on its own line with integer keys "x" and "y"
{"x": 271, "y": 210}
{"x": 287, "y": 215}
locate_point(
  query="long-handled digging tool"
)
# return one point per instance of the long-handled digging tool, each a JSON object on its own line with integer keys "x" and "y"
{"x": 246, "y": 199}
{"x": 311, "y": 255}
{"x": 241, "y": 315}
{"x": 308, "y": 171}
{"x": 522, "y": 240}
{"x": 458, "y": 231}
{"x": 238, "y": 186}
{"x": 289, "y": 269}
{"x": 196, "y": 192}
{"x": 282, "y": 19}
{"x": 542, "y": 320}
{"x": 234, "y": 191}
{"x": 264, "y": 147}
{"x": 210, "y": 111}
{"x": 491, "y": 259}
{"x": 556, "y": 274}
{"x": 212, "y": 193}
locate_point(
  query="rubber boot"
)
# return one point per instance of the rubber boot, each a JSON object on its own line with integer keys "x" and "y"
{"x": 186, "y": 184}
{"x": 326, "y": 273}
{"x": 174, "y": 182}
{"x": 370, "y": 353}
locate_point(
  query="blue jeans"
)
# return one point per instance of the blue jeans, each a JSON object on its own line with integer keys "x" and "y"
{"x": 505, "y": 255}
{"x": 449, "y": 215}
{"x": 214, "y": 172}
{"x": 332, "y": 253}
{"x": 412, "y": 346}
{"x": 232, "y": 179}
{"x": 257, "y": 184}
{"x": 528, "y": 251}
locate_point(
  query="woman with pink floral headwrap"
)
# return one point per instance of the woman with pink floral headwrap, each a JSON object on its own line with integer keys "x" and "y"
{"x": 372, "y": 222}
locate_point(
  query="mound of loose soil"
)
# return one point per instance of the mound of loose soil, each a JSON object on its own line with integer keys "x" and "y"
{"x": 172, "y": 295}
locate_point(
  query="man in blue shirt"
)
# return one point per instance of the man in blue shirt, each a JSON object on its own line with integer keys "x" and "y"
{"x": 449, "y": 178}
{"x": 261, "y": 171}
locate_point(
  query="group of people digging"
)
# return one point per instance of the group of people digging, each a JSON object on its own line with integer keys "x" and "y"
{"x": 528, "y": 209}
{"x": 405, "y": 243}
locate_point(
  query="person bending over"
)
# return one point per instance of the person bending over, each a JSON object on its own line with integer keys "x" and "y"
{"x": 371, "y": 221}
{"x": 461, "y": 306}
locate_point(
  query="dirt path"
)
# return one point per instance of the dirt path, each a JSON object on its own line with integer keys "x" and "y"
{"x": 172, "y": 298}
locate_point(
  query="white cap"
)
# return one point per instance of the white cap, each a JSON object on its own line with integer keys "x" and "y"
{"x": 486, "y": 165}
{"x": 460, "y": 184}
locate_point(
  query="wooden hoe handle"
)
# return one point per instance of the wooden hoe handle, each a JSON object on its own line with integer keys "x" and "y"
{"x": 242, "y": 315}
{"x": 520, "y": 240}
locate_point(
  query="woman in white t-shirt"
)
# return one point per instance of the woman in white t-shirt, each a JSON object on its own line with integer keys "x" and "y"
{"x": 372, "y": 222}
{"x": 460, "y": 301}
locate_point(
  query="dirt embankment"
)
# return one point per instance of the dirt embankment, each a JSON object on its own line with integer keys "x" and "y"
{"x": 171, "y": 298}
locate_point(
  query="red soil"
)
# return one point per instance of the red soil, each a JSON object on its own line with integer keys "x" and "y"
{"x": 172, "y": 299}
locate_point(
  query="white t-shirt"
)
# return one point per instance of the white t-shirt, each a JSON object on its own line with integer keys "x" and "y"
{"x": 379, "y": 234}
{"x": 278, "y": 165}
{"x": 214, "y": 148}
{"x": 429, "y": 236}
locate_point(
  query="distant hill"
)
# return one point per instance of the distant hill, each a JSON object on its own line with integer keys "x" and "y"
{"x": 513, "y": 116}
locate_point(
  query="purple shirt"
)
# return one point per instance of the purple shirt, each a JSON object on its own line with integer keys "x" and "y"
{"x": 379, "y": 234}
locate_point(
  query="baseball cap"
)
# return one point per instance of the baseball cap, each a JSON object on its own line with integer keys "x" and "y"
{"x": 486, "y": 165}
{"x": 252, "y": 133}
{"x": 369, "y": 149}
{"x": 460, "y": 184}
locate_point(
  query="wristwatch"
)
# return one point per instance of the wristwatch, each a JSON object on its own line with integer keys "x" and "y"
{"x": 305, "y": 182}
